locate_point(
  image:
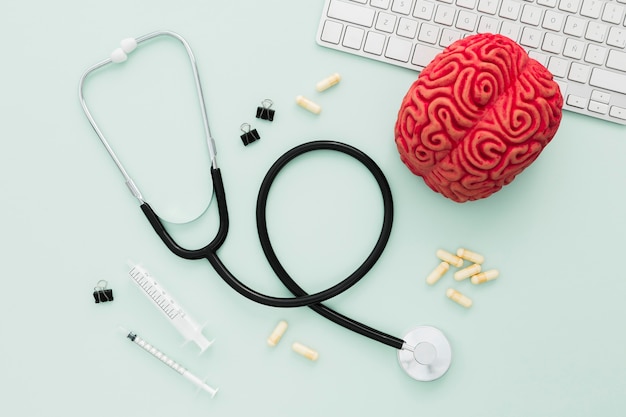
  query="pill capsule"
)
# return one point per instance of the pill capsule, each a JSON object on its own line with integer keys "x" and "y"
{"x": 278, "y": 332}
{"x": 468, "y": 255}
{"x": 459, "y": 298}
{"x": 437, "y": 273}
{"x": 308, "y": 104}
{"x": 489, "y": 275}
{"x": 328, "y": 82}
{"x": 449, "y": 258}
{"x": 471, "y": 270}
{"x": 305, "y": 351}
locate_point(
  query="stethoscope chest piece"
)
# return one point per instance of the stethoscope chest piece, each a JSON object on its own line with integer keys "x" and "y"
{"x": 426, "y": 354}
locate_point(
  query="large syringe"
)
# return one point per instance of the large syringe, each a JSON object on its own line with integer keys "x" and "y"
{"x": 174, "y": 313}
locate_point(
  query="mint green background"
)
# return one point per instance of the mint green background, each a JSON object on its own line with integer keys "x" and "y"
{"x": 546, "y": 339}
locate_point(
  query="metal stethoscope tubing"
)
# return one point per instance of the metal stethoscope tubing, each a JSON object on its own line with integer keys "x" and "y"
{"x": 425, "y": 354}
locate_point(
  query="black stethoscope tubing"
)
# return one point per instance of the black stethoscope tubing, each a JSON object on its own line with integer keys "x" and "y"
{"x": 301, "y": 297}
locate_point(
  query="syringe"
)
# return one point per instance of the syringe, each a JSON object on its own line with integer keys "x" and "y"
{"x": 174, "y": 313}
{"x": 169, "y": 362}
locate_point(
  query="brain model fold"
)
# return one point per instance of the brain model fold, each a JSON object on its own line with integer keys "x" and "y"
{"x": 478, "y": 115}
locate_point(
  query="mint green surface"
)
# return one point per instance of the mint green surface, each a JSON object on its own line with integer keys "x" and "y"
{"x": 546, "y": 339}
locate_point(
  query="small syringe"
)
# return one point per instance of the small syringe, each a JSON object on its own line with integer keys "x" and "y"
{"x": 174, "y": 313}
{"x": 169, "y": 362}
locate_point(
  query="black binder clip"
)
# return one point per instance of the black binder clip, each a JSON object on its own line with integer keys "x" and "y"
{"x": 101, "y": 294}
{"x": 249, "y": 135}
{"x": 264, "y": 111}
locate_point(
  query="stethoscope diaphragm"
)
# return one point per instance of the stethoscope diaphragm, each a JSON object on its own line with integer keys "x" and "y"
{"x": 426, "y": 354}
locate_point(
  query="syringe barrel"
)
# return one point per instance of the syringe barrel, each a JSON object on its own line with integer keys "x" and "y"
{"x": 157, "y": 353}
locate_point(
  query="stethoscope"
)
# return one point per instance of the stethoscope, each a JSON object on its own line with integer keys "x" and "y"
{"x": 424, "y": 352}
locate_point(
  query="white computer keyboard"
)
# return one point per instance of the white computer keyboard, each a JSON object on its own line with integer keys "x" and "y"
{"x": 582, "y": 42}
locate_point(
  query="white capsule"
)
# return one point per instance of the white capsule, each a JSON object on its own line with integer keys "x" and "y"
{"x": 308, "y": 104}
{"x": 483, "y": 277}
{"x": 328, "y": 82}
{"x": 468, "y": 255}
{"x": 277, "y": 334}
{"x": 459, "y": 298}
{"x": 449, "y": 258}
{"x": 305, "y": 351}
{"x": 461, "y": 274}
{"x": 437, "y": 273}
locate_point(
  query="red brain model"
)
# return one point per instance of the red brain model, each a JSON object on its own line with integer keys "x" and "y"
{"x": 477, "y": 116}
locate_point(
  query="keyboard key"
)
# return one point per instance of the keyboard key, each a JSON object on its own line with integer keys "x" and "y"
{"x": 424, "y": 54}
{"x": 466, "y": 21}
{"x": 374, "y": 43}
{"x": 596, "y": 107}
{"x": 558, "y": 66}
{"x": 618, "y": 112}
{"x": 488, "y": 25}
{"x": 617, "y": 37}
{"x": 401, "y": 6}
{"x": 616, "y": 60}
{"x": 332, "y": 32}
{"x": 613, "y": 13}
{"x": 595, "y": 54}
{"x": 573, "y": 48}
{"x": 386, "y": 22}
{"x": 579, "y": 72}
{"x": 591, "y": 8}
{"x": 553, "y": 43}
{"x": 576, "y": 101}
{"x": 381, "y": 4}
{"x": 428, "y": 33}
{"x": 407, "y": 28}
{"x": 531, "y": 15}
{"x": 510, "y": 9}
{"x": 444, "y": 15}
{"x": 467, "y": 4}
{"x": 601, "y": 96}
{"x": 488, "y": 6}
{"x": 569, "y": 5}
{"x": 596, "y": 32}
{"x": 548, "y": 3}
{"x": 510, "y": 30}
{"x": 449, "y": 36}
{"x": 553, "y": 20}
{"x": 574, "y": 26}
{"x": 531, "y": 37}
{"x": 353, "y": 37}
{"x": 424, "y": 10}
{"x": 608, "y": 80}
{"x": 398, "y": 49}
{"x": 351, "y": 13}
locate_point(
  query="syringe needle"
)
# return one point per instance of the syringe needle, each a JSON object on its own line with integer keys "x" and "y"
{"x": 169, "y": 362}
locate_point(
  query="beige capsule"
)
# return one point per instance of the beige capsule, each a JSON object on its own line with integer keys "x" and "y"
{"x": 305, "y": 103}
{"x": 278, "y": 333}
{"x": 471, "y": 270}
{"x": 437, "y": 273}
{"x": 328, "y": 82}
{"x": 483, "y": 277}
{"x": 305, "y": 351}
{"x": 459, "y": 298}
{"x": 470, "y": 256}
{"x": 449, "y": 258}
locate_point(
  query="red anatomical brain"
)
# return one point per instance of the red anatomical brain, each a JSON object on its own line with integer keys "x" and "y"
{"x": 477, "y": 116}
